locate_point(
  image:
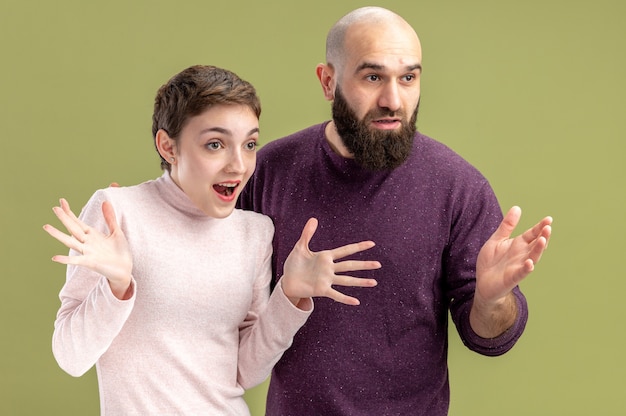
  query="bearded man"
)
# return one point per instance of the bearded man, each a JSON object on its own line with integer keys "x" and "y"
{"x": 440, "y": 236}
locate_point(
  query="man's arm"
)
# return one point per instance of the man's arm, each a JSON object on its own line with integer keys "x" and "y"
{"x": 503, "y": 262}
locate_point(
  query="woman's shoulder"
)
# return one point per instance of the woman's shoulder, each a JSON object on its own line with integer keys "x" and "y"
{"x": 253, "y": 221}
{"x": 131, "y": 192}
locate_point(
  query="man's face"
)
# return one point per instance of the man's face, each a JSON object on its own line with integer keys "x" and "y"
{"x": 377, "y": 92}
{"x": 374, "y": 149}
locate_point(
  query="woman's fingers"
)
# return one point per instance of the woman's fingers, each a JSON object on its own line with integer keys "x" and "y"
{"x": 349, "y": 249}
{"x": 77, "y": 228}
{"x": 342, "y": 298}
{"x": 351, "y": 265}
{"x": 350, "y": 281}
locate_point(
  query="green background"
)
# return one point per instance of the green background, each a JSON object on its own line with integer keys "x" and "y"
{"x": 530, "y": 92}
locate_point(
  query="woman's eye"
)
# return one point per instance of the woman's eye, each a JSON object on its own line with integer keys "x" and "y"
{"x": 251, "y": 145}
{"x": 214, "y": 145}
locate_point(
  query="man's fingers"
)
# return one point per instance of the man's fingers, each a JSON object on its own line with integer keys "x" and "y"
{"x": 537, "y": 249}
{"x": 542, "y": 228}
{"x": 546, "y": 232}
{"x": 508, "y": 224}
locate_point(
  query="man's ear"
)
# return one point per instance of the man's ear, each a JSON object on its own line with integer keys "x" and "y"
{"x": 165, "y": 145}
{"x": 326, "y": 75}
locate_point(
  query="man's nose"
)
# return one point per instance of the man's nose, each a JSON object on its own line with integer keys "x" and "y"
{"x": 390, "y": 97}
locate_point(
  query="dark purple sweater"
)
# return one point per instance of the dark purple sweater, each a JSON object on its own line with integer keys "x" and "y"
{"x": 429, "y": 218}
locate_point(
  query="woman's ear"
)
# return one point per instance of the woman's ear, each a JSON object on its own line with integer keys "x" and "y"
{"x": 165, "y": 145}
{"x": 325, "y": 73}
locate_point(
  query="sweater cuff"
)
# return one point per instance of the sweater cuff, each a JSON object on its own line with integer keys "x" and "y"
{"x": 505, "y": 341}
{"x": 108, "y": 293}
{"x": 305, "y": 305}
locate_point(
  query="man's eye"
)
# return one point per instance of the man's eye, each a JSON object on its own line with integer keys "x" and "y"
{"x": 409, "y": 77}
{"x": 373, "y": 77}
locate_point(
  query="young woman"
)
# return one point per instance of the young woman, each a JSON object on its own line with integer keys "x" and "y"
{"x": 168, "y": 286}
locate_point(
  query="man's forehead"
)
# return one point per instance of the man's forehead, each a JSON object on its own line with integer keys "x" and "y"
{"x": 387, "y": 63}
{"x": 382, "y": 45}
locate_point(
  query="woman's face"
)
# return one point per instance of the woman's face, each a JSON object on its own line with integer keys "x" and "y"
{"x": 215, "y": 156}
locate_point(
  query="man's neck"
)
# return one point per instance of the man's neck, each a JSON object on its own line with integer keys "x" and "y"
{"x": 335, "y": 142}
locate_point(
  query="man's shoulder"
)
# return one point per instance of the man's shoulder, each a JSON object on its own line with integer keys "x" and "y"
{"x": 437, "y": 160}
{"x": 427, "y": 144}
{"x": 438, "y": 152}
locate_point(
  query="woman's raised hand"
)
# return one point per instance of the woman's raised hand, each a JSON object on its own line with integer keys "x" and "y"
{"x": 308, "y": 274}
{"x": 108, "y": 255}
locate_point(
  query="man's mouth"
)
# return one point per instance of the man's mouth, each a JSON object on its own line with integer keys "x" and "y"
{"x": 387, "y": 120}
{"x": 226, "y": 189}
{"x": 387, "y": 123}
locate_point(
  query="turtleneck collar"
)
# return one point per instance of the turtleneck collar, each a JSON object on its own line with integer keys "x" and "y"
{"x": 177, "y": 198}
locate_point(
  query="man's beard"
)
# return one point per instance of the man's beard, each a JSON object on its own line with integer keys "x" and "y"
{"x": 373, "y": 149}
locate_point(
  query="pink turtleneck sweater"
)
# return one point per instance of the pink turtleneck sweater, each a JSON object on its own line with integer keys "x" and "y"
{"x": 200, "y": 327}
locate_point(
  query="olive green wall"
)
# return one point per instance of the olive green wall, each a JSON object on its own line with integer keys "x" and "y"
{"x": 530, "y": 92}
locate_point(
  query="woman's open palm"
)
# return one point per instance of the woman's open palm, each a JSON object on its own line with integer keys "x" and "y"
{"x": 108, "y": 255}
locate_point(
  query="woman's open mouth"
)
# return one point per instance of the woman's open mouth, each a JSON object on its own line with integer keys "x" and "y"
{"x": 226, "y": 189}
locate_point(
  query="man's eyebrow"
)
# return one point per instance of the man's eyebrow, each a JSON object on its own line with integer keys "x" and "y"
{"x": 370, "y": 65}
{"x": 379, "y": 67}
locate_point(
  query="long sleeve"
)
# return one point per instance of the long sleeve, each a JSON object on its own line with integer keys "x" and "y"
{"x": 200, "y": 326}
{"x": 477, "y": 216}
{"x": 268, "y": 329}
{"x": 429, "y": 218}
{"x": 90, "y": 316}
{"x": 263, "y": 344}
{"x": 500, "y": 344}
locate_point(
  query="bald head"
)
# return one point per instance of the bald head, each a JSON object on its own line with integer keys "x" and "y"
{"x": 358, "y": 23}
